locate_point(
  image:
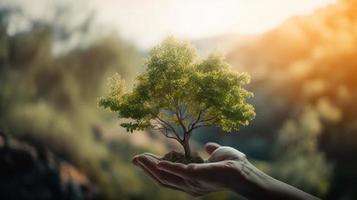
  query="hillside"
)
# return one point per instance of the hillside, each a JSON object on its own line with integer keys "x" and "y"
{"x": 305, "y": 71}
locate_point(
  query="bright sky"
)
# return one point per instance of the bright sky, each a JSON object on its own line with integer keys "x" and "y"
{"x": 146, "y": 22}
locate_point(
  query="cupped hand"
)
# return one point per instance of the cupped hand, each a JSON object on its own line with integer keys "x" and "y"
{"x": 224, "y": 167}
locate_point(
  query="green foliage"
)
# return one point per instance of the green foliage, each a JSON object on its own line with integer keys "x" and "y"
{"x": 309, "y": 82}
{"x": 49, "y": 99}
{"x": 180, "y": 90}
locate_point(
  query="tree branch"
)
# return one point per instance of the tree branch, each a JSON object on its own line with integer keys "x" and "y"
{"x": 165, "y": 132}
{"x": 178, "y": 115}
{"x": 195, "y": 122}
{"x": 209, "y": 119}
{"x": 192, "y": 125}
{"x": 166, "y": 124}
{"x": 204, "y": 125}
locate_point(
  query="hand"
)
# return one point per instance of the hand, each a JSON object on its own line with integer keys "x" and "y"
{"x": 225, "y": 167}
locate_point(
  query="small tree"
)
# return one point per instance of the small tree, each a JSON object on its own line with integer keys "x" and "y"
{"x": 179, "y": 93}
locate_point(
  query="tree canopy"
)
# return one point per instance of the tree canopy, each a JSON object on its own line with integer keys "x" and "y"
{"x": 178, "y": 92}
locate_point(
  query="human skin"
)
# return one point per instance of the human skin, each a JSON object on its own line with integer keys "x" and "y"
{"x": 226, "y": 169}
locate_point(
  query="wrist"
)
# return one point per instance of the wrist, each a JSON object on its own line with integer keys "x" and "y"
{"x": 255, "y": 184}
{"x": 252, "y": 183}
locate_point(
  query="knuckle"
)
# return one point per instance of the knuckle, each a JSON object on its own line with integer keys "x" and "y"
{"x": 243, "y": 156}
{"x": 230, "y": 164}
{"x": 191, "y": 167}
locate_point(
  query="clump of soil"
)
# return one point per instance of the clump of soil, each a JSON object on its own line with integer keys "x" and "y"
{"x": 178, "y": 157}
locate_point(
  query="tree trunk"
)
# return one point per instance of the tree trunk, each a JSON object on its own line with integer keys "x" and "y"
{"x": 186, "y": 145}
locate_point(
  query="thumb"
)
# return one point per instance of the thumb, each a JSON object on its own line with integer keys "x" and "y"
{"x": 211, "y": 147}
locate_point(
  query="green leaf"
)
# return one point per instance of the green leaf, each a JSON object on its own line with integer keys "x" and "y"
{"x": 180, "y": 88}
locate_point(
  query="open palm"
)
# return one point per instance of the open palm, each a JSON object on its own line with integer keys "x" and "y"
{"x": 224, "y": 166}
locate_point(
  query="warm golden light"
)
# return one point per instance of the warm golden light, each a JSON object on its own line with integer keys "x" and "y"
{"x": 147, "y": 22}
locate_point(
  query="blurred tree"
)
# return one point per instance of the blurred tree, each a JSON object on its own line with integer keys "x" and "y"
{"x": 48, "y": 96}
{"x": 298, "y": 155}
{"x": 308, "y": 63}
{"x": 49, "y": 87}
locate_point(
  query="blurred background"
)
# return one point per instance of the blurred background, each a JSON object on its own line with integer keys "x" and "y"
{"x": 56, "y": 56}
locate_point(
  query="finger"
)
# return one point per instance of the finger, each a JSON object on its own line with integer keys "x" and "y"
{"x": 177, "y": 169}
{"x": 191, "y": 171}
{"x": 226, "y": 153}
{"x": 135, "y": 158}
{"x": 158, "y": 181}
{"x": 211, "y": 147}
{"x": 168, "y": 185}
{"x": 151, "y": 155}
{"x": 150, "y": 164}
